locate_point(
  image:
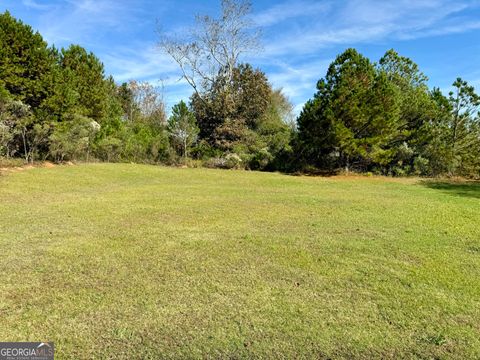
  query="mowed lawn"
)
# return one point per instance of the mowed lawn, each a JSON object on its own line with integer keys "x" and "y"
{"x": 138, "y": 262}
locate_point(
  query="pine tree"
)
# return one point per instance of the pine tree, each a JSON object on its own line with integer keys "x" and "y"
{"x": 464, "y": 136}
{"x": 25, "y": 61}
{"x": 352, "y": 119}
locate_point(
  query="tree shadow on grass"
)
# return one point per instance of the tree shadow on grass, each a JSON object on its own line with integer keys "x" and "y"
{"x": 469, "y": 189}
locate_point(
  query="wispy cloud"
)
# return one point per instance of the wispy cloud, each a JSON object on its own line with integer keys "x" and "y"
{"x": 290, "y": 10}
{"x": 298, "y": 81}
{"x": 309, "y": 43}
{"x": 300, "y": 37}
{"x": 33, "y": 4}
{"x": 139, "y": 62}
{"x": 298, "y": 48}
{"x": 144, "y": 62}
{"x": 79, "y": 21}
{"x": 447, "y": 29}
{"x": 361, "y": 21}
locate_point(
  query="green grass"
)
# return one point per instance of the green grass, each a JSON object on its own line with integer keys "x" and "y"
{"x": 130, "y": 261}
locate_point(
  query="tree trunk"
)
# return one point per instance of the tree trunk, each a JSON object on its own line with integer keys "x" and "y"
{"x": 25, "y": 144}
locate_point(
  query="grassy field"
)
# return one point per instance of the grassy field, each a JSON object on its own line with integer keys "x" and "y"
{"x": 130, "y": 261}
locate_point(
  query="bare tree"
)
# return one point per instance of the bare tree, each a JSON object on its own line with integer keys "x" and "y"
{"x": 148, "y": 100}
{"x": 213, "y": 46}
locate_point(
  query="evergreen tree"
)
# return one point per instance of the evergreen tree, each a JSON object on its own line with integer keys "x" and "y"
{"x": 83, "y": 78}
{"x": 417, "y": 110}
{"x": 353, "y": 118}
{"x": 464, "y": 136}
{"x": 25, "y": 61}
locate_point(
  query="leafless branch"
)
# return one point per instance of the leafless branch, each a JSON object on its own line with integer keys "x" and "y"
{"x": 213, "y": 46}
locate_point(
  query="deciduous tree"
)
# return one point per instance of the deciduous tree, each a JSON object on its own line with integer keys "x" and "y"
{"x": 183, "y": 128}
{"x": 214, "y": 47}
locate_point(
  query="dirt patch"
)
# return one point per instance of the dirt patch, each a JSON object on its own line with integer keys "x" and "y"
{"x": 48, "y": 165}
{"x": 45, "y": 164}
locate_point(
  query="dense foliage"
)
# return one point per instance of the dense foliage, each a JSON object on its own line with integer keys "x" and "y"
{"x": 383, "y": 118}
{"x": 243, "y": 117}
{"x": 58, "y": 104}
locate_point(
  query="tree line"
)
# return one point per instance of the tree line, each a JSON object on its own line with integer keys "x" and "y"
{"x": 58, "y": 104}
{"x": 382, "y": 117}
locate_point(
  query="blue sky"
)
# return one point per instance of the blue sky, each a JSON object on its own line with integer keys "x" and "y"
{"x": 300, "y": 37}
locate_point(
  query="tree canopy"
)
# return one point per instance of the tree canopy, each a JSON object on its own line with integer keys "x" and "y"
{"x": 383, "y": 118}
{"x": 367, "y": 116}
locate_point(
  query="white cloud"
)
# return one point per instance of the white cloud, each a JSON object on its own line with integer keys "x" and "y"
{"x": 33, "y": 4}
{"x": 299, "y": 82}
{"x": 445, "y": 30}
{"x": 308, "y": 43}
{"x": 401, "y": 13}
{"x": 298, "y": 34}
{"x": 294, "y": 80}
{"x": 79, "y": 21}
{"x": 359, "y": 21}
{"x": 145, "y": 62}
{"x": 295, "y": 52}
{"x": 140, "y": 61}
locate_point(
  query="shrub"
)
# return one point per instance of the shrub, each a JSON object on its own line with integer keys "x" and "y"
{"x": 421, "y": 166}
{"x": 233, "y": 161}
{"x": 72, "y": 139}
{"x": 203, "y": 150}
{"x": 191, "y": 163}
{"x": 109, "y": 149}
{"x": 260, "y": 159}
{"x": 230, "y": 161}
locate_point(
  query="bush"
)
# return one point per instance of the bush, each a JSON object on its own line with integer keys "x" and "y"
{"x": 109, "y": 149}
{"x": 6, "y": 137}
{"x": 230, "y": 161}
{"x": 72, "y": 139}
{"x": 233, "y": 161}
{"x": 400, "y": 171}
{"x": 143, "y": 143}
{"x": 11, "y": 162}
{"x": 421, "y": 166}
{"x": 203, "y": 150}
{"x": 260, "y": 159}
{"x": 190, "y": 163}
